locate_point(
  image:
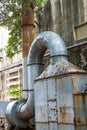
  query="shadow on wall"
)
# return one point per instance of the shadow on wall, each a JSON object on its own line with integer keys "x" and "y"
{"x": 78, "y": 56}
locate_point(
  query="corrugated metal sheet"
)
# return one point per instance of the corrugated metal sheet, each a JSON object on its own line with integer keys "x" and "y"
{"x": 80, "y": 101}
{"x": 66, "y": 127}
{"x": 52, "y": 100}
{"x": 42, "y": 126}
{"x": 41, "y": 102}
{"x": 53, "y": 126}
{"x": 65, "y": 100}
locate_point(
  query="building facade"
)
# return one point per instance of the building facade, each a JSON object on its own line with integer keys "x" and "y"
{"x": 10, "y": 69}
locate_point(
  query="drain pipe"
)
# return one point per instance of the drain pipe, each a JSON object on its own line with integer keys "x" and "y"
{"x": 46, "y": 40}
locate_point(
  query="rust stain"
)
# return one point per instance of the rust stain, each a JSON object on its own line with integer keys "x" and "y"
{"x": 65, "y": 114}
{"x": 74, "y": 83}
{"x": 66, "y": 67}
{"x": 54, "y": 109}
{"x": 53, "y": 114}
{"x": 52, "y": 100}
{"x": 77, "y": 101}
{"x": 80, "y": 105}
{"x": 78, "y": 121}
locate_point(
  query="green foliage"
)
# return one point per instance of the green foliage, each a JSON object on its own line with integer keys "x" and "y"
{"x": 14, "y": 91}
{"x": 33, "y": 3}
{"x": 10, "y": 16}
{"x": 14, "y": 42}
{"x": 1, "y": 58}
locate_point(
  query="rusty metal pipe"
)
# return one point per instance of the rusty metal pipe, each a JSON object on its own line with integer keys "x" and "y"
{"x": 58, "y": 51}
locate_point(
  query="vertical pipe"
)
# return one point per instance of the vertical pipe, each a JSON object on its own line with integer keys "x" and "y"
{"x": 27, "y": 38}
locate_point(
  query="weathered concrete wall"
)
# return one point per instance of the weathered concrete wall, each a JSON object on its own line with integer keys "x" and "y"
{"x": 61, "y": 16}
{"x": 85, "y": 9}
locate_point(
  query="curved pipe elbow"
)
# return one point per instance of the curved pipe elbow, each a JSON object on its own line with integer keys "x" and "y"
{"x": 46, "y": 40}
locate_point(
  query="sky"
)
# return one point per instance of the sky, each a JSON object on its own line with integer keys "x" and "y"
{"x": 3, "y": 37}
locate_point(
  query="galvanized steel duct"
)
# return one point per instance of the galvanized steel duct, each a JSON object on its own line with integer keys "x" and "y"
{"x": 46, "y": 40}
